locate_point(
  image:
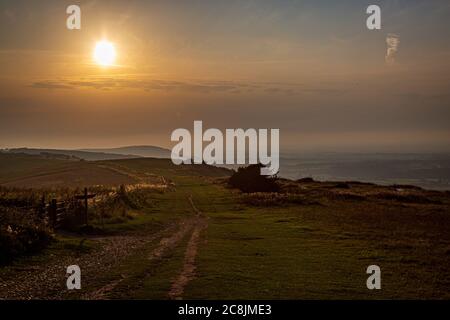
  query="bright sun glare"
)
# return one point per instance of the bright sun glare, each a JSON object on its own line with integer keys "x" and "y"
{"x": 104, "y": 53}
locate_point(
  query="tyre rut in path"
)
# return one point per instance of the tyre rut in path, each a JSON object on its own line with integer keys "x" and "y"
{"x": 166, "y": 245}
{"x": 188, "y": 270}
{"x": 47, "y": 280}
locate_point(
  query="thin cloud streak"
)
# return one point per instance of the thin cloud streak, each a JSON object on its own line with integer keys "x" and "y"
{"x": 196, "y": 86}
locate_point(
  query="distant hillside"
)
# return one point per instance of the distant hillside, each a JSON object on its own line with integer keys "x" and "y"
{"x": 35, "y": 171}
{"x": 24, "y": 170}
{"x": 85, "y": 155}
{"x": 142, "y": 151}
{"x": 166, "y": 168}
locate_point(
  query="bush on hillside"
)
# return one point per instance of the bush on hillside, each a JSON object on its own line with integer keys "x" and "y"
{"x": 249, "y": 179}
{"x": 20, "y": 234}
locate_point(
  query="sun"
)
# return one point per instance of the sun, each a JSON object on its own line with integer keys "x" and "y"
{"x": 104, "y": 53}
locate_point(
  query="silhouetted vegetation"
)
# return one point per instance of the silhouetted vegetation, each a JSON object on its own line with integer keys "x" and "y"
{"x": 21, "y": 234}
{"x": 249, "y": 179}
{"x": 270, "y": 199}
{"x": 25, "y": 226}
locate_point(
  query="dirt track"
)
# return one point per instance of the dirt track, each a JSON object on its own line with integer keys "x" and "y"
{"x": 47, "y": 279}
{"x": 189, "y": 267}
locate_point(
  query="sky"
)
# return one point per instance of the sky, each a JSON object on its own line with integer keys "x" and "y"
{"x": 309, "y": 68}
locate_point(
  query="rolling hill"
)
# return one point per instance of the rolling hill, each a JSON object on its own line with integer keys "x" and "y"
{"x": 77, "y": 154}
{"x": 142, "y": 151}
{"x": 37, "y": 171}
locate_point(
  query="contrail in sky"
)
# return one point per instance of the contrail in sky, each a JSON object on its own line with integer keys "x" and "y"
{"x": 392, "y": 41}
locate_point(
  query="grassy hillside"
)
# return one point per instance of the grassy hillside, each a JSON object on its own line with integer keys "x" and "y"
{"x": 314, "y": 240}
{"x": 199, "y": 239}
{"x": 167, "y": 168}
{"x": 22, "y": 170}
{"x": 142, "y": 151}
{"x": 18, "y": 165}
{"x": 317, "y": 241}
{"x": 85, "y": 155}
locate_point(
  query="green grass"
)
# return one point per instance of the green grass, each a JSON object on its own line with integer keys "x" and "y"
{"x": 311, "y": 251}
{"x": 316, "y": 249}
{"x": 153, "y": 280}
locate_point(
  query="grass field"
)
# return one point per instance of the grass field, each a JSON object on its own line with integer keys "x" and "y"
{"x": 21, "y": 170}
{"x": 313, "y": 240}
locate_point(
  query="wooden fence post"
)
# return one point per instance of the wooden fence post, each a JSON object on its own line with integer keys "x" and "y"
{"x": 85, "y": 196}
{"x": 86, "y": 206}
{"x": 41, "y": 208}
{"x": 52, "y": 213}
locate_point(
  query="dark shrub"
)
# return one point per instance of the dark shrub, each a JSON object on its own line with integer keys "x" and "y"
{"x": 270, "y": 199}
{"x": 20, "y": 234}
{"x": 405, "y": 186}
{"x": 342, "y": 185}
{"x": 249, "y": 179}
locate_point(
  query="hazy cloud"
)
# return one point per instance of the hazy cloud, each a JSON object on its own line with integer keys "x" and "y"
{"x": 148, "y": 85}
{"x": 50, "y": 85}
{"x": 187, "y": 86}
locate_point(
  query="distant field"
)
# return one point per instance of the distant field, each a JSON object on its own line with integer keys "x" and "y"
{"x": 37, "y": 172}
{"x": 22, "y": 170}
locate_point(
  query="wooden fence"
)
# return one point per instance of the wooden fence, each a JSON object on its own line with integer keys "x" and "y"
{"x": 58, "y": 210}
{"x": 55, "y": 212}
